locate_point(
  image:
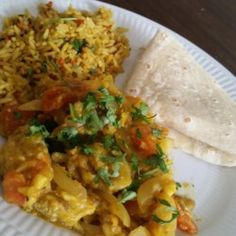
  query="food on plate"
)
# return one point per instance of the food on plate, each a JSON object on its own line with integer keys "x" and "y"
{"x": 55, "y": 46}
{"x": 79, "y": 153}
{"x": 96, "y": 162}
{"x": 200, "y": 115}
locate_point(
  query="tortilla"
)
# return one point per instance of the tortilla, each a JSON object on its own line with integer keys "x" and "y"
{"x": 186, "y": 99}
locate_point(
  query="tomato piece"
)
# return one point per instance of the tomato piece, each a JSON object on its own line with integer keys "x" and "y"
{"x": 57, "y": 97}
{"x": 12, "y": 181}
{"x": 185, "y": 221}
{"x": 11, "y": 118}
{"x": 142, "y": 139}
{"x": 133, "y": 208}
{"x": 61, "y": 61}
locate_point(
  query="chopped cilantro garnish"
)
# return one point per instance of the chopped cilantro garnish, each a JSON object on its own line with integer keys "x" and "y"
{"x": 138, "y": 134}
{"x": 99, "y": 109}
{"x": 110, "y": 118}
{"x": 134, "y": 163}
{"x": 120, "y": 99}
{"x": 149, "y": 174}
{"x": 68, "y": 136}
{"x": 90, "y": 102}
{"x": 116, "y": 164}
{"x": 178, "y": 185}
{"x": 162, "y": 222}
{"x": 172, "y": 209}
{"x": 38, "y": 129}
{"x": 157, "y": 160}
{"x": 140, "y": 113}
{"x": 115, "y": 169}
{"x": 113, "y": 159}
{"x": 108, "y": 159}
{"x": 104, "y": 175}
{"x": 87, "y": 150}
{"x": 108, "y": 141}
{"x": 103, "y": 90}
{"x": 134, "y": 185}
{"x": 156, "y": 132}
{"x": 93, "y": 122}
{"x": 73, "y": 112}
{"x": 126, "y": 195}
{"x": 78, "y": 44}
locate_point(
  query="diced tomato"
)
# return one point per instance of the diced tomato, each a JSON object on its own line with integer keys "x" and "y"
{"x": 142, "y": 139}
{"x": 57, "y": 97}
{"x": 133, "y": 208}
{"x": 11, "y": 118}
{"x": 61, "y": 61}
{"x": 185, "y": 221}
{"x": 11, "y": 183}
{"x": 79, "y": 22}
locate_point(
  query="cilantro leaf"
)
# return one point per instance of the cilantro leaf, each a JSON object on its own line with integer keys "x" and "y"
{"x": 162, "y": 222}
{"x": 68, "y": 136}
{"x": 157, "y": 160}
{"x": 127, "y": 195}
{"x": 116, "y": 169}
{"x": 116, "y": 163}
{"x": 134, "y": 163}
{"x": 38, "y": 129}
{"x": 178, "y": 185}
{"x": 120, "y": 99}
{"x": 78, "y": 44}
{"x": 140, "y": 113}
{"x": 90, "y": 102}
{"x": 138, "y": 134}
{"x": 87, "y": 150}
{"x": 156, "y": 132}
{"x": 110, "y": 118}
{"x": 104, "y": 175}
{"x": 172, "y": 209}
{"x": 73, "y": 112}
{"x": 148, "y": 174}
{"x": 134, "y": 185}
{"x": 108, "y": 141}
{"x": 103, "y": 90}
{"x": 93, "y": 122}
{"x": 108, "y": 159}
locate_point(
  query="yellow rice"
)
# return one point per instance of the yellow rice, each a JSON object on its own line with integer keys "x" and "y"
{"x": 37, "y": 51}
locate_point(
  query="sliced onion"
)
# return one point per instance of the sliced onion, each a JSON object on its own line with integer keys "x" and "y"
{"x": 67, "y": 184}
{"x": 146, "y": 193}
{"x": 116, "y": 207}
{"x": 140, "y": 231}
{"x": 34, "y": 105}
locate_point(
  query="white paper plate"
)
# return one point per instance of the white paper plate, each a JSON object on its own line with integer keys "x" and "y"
{"x": 215, "y": 189}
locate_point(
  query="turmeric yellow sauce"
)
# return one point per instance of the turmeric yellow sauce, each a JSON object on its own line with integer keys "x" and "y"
{"x": 92, "y": 159}
{"x": 79, "y": 153}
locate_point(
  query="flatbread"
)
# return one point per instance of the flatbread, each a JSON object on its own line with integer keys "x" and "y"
{"x": 201, "y": 150}
{"x": 187, "y": 100}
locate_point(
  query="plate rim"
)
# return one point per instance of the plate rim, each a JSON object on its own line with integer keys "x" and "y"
{"x": 184, "y": 41}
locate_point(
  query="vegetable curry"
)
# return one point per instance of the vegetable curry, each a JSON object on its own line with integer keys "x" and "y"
{"x": 87, "y": 157}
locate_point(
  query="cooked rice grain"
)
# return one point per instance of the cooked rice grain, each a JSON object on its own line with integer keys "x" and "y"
{"x": 55, "y": 45}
